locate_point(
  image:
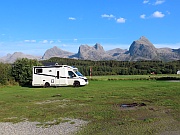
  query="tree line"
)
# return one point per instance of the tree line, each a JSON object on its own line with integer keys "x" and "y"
{"x": 20, "y": 72}
{"x": 118, "y": 67}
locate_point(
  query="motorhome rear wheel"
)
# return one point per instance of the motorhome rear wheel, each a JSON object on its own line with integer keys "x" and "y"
{"x": 46, "y": 85}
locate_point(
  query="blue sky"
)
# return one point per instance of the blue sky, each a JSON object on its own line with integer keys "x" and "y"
{"x": 33, "y": 26}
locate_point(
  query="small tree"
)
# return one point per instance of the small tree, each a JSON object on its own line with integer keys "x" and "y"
{"x": 22, "y": 70}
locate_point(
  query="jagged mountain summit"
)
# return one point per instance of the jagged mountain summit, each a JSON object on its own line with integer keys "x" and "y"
{"x": 142, "y": 49}
{"x": 96, "y": 52}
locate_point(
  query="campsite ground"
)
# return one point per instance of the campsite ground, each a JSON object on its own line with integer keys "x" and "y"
{"x": 101, "y": 104}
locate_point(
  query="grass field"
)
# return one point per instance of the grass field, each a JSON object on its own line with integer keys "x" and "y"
{"x": 99, "y": 103}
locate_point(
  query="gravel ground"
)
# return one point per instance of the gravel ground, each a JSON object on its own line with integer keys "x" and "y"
{"x": 31, "y": 128}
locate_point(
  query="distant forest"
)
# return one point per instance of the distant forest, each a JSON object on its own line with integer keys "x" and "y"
{"x": 20, "y": 72}
{"x": 118, "y": 67}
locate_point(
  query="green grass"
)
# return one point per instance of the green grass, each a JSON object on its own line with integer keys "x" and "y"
{"x": 99, "y": 103}
{"x": 134, "y": 77}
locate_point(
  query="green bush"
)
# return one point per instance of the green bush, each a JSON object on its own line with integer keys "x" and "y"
{"x": 22, "y": 70}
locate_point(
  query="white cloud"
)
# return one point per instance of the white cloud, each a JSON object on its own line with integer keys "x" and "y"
{"x": 27, "y": 41}
{"x": 33, "y": 41}
{"x": 59, "y": 41}
{"x": 51, "y": 41}
{"x": 121, "y": 20}
{"x": 45, "y": 41}
{"x": 72, "y": 18}
{"x": 158, "y": 2}
{"x": 64, "y": 45}
{"x": 145, "y": 1}
{"x": 107, "y": 16}
{"x": 118, "y": 20}
{"x": 30, "y": 41}
{"x": 75, "y": 39}
{"x": 143, "y": 16}
{"x": 158, "y": 14}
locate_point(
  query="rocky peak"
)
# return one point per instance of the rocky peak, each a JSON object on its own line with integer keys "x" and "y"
{"x": 56, "y": 52}
{"x": 98, "y": 47}
{"x": 95, "y": 52}
{"x": 143, "y": 40}
{"x": 142, "y": 48}
{"x": 55, "y": 48}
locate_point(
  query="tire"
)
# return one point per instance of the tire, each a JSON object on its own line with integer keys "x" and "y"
{"x": 76, "y": 84}
{"x": 46, "y": 85}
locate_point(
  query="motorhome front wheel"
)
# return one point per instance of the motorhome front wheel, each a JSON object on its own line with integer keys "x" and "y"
{"x": 76, "y": 84}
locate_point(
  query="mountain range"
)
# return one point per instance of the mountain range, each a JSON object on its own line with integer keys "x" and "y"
{"x": 141, "y": 49}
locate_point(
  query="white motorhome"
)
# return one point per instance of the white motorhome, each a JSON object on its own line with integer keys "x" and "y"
{"x": 57, "y": 75}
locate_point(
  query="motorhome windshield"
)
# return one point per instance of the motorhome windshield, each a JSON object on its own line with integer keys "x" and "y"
{"x": 78, "y": 73}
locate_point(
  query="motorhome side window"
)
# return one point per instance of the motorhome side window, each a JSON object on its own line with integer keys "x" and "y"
{"x": 39, "y": 70}
{"x": 71, "y": 74}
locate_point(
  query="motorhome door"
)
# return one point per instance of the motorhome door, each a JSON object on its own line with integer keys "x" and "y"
{"x": 60, "y": 77}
